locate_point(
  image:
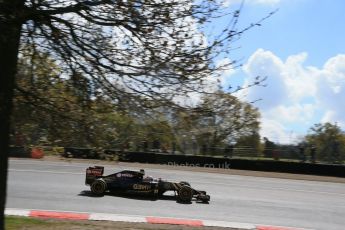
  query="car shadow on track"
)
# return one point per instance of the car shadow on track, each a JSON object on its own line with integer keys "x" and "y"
{"x": 133, "y": 196}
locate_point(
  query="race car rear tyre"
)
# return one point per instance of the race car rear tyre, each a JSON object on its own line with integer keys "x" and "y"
{"x": 185, "y": 194}
{"x": 98, "y": 187}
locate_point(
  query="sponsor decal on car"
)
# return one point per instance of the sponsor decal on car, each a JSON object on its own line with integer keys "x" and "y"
{"x": 141, "y": 187}
{"x": 124, "y": 175}
{"x": 95, "y": 172}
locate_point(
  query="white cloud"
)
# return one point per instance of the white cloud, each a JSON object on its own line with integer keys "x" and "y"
{"x": 336, "y": 66}
{"x": 334, "y": 117}
{"x": 294, "y": 113}
{"x": 300, "y": 80}
{"x": 210, "y": 84}
{"x": 331, "y": 90}
{"x": 296, "y": 95}
{"x": 226, "y": 66}
{"x": 265, "y": 63}
{"x": 227, "y": 70}
{"x": 277, "y": 132}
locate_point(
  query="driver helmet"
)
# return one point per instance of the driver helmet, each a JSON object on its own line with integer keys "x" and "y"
{"x": 148, "y": 178}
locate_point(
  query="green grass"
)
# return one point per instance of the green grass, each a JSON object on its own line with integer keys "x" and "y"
{"x": 14, "y": 223}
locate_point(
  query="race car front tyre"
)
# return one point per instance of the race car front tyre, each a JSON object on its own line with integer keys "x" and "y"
{"x": 98, "y": 187}
{"x": 185, "y": 194}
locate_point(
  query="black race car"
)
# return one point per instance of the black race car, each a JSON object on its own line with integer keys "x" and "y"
{"x": 135, "y": 182}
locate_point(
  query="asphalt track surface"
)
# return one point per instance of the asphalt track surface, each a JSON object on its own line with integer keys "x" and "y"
{"x": 297, "y": 203}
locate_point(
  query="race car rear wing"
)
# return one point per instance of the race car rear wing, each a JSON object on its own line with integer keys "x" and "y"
{"x": 93, "y": 173}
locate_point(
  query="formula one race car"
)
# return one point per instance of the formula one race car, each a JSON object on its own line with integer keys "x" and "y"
{"x": 135, "y": 182}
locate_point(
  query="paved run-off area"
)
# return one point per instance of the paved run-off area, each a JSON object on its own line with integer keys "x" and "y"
{"x": 60, "y": 186}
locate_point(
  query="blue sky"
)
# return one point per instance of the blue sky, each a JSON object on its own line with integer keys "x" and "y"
{"x": 301, "y": 49}
{"x": 312, "y": 26}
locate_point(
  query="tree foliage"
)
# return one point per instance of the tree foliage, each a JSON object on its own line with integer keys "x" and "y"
{"x": 58, "y": 113}
{"x": 146, "y": 51}
{"x": 230, "y": 118}
{"x": 329, "y": 141}
{"x": 219, "y": 119}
